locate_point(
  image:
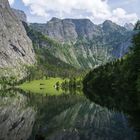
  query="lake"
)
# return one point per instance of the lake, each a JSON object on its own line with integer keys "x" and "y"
{"x": 30, "y": 116}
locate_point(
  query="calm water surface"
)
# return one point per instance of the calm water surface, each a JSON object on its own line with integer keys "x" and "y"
{"x": 28, "y": 116}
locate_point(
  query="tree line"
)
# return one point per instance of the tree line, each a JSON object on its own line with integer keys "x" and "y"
{"x": 117, "y": 80}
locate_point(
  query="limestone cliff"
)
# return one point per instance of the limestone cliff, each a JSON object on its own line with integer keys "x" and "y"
{"x": 20, "y": 14}
{"x": 16, "y": 48}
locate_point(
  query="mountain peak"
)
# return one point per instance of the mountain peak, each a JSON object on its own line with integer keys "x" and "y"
{"x": 109, "y": 22}
{"x": 55, "y": 19}
{"x": 110, "y": 26}
{"x": 80, "y": 19}
{"x": 4, "y": 3}
{"x": 129, "y": 26}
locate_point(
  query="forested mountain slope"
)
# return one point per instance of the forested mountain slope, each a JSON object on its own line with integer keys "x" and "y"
{"x": 119, "y": 79}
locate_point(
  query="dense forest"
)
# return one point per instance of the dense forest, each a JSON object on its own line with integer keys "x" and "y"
{"x": 117, "y": 80}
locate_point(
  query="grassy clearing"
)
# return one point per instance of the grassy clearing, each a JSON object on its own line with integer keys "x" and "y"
{"x": 43, "y": 86}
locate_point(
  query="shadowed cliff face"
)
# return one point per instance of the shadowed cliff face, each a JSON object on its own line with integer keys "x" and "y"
{"x": 15, "y": 47}
{"x": 16, "y": 117}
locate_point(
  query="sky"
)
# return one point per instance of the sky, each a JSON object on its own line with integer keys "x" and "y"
{"x": 119, "y": 11}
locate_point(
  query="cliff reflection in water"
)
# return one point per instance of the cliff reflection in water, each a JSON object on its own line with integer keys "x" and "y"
{"x": 129, "y": 103}
{"x": 73, "y": 117}
{"x": 16, "y": 117}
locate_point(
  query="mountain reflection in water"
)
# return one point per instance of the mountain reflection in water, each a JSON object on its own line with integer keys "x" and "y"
{"x": 27, "y": 116}
{"x": 128, "y": 103}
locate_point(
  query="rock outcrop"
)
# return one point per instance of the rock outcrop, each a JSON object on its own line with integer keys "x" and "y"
{"x": 20, "y": 14}
{"x": 16, "y": 48}
{"x": 68, "y": 30}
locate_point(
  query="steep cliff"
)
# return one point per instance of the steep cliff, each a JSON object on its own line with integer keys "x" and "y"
{"x": 20, "y": 14}
{"x": 68, "y": 30}
{"x": 16, "y": 48}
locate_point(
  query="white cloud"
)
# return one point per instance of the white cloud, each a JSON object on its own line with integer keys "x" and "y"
{"x": 11, "y": 1}
{"x": 96, "y": 10}
{"x": 120, "y": 16}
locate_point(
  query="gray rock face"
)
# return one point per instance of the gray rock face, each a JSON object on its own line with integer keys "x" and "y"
{"x": 15, "y": 47}
{"x": 117, "y": 37}
{"x": 4, "y": 3}
{"x": 68, "y": 30}
{"x": 20, "y": 14}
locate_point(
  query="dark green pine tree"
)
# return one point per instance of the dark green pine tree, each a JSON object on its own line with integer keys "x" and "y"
{"x": 136, "y": 49}
{"x": 136, "y": 55}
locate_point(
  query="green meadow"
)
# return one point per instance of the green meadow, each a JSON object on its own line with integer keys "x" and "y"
{"x": 46, "y": 87}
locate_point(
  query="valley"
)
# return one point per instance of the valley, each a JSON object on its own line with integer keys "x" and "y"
{"x": 68, "y": 78}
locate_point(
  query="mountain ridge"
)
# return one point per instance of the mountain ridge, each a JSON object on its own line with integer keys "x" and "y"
{"x": 91, "y": 44}
{"x": 76, "y": 42}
